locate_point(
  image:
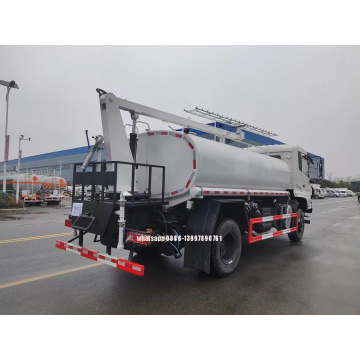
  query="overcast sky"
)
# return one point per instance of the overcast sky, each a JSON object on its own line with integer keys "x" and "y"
{"x": 308, "y": 95}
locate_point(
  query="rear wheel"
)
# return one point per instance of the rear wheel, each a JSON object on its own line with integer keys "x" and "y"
{"x": 297, "y": 235}
{"x": 225, "y": 254}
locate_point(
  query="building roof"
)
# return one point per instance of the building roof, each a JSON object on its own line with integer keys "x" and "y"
{"x": 50, "y": 155}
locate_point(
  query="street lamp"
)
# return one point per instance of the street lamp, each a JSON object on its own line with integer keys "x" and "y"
{"x": 21, "y": 137}
{"x": 9, "y": 85}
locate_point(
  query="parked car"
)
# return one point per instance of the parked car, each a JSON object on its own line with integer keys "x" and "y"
{"x": 350, "y": 193}
{"x": 343, "y": 192}
{"x": 332, "y": 193}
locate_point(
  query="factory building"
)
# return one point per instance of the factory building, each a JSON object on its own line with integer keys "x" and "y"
{"x": 356, "y": 185}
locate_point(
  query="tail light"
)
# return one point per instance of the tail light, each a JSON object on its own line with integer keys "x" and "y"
{"x": 68, "y": 223}
{"x": 137, "y": 238}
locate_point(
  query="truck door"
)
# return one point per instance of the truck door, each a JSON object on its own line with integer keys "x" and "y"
{"x": 303, "y": 174}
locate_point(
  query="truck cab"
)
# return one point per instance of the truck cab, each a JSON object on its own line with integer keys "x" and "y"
{"x": 297, "y": 160}
{"x": 317, "y": 192}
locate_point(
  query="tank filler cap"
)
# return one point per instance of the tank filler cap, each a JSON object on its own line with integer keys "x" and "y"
{"x": 196, "y": 192}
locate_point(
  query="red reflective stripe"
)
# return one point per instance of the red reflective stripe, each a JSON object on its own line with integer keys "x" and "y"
{"x": 234, "y": 192}
{"x": 206, "y": 192}
{"x": 217, "y": 192}
{"x": 121, "y": 264}
{"x": 174, "y": 192}
{"x": 226, "y": 192}
{"x": 60, "y": 244}
{"x": 255, "y": 193}
{"x": 187, "y": 184}
{"x": 179, "y": 136}
{"x": 129, "y": 266}
{"x": 88, "y": 253}
{"x": 261, "y": 193}
{"x": 191, "y": 145}
{"x": 242, "y": 192}
{"x": 164, "y": 133}
{"x": 277, "y": 233}
{"x": 194, "y": 164}
{"x": 150, "y": 134}
{"x": 256, "y": 238}
{"x": 277, "y": 217}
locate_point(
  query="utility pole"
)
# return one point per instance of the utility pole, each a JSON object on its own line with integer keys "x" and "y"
{"x": 9, "y": 85}
{"x": 21, "y": 137}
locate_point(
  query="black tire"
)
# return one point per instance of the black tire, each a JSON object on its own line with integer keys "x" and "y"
{"x": 148, "y": 252}
{"x": 297, "y": 236}
{"x": 225, "y": 254}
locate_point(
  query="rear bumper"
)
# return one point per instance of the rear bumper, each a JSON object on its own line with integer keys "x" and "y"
{"x": 121, "y": 264}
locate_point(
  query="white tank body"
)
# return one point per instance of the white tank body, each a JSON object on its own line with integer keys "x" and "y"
{"x": 29, "y": 182}
{"x": 51, "y": 183}
{"x": 194, "y": 161}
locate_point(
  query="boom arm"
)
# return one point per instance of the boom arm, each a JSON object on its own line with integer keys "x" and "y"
{"x": 116, "y": 142}
{"x": 171, "y": 118}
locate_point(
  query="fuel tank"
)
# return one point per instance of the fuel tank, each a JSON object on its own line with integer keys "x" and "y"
{"x": 51, "y": 183}
{"x": 29, "y": 182}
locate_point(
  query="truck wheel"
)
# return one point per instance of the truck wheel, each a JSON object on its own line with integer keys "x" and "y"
{"x": 297, "y": 236}
{"x": 225, "y": 254}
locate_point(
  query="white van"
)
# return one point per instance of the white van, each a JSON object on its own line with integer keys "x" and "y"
{"x": 343, "y": 192}
{"x": 331, "y": 193}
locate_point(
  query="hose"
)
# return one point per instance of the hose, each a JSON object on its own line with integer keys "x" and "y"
{"x": 177, "y": 237}
{"x": 99, "y": 140}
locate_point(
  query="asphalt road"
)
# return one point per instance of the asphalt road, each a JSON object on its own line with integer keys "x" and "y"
{"x": 320, "y": 275}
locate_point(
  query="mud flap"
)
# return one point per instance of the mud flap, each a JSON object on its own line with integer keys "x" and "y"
{"x": 202, "y": 221}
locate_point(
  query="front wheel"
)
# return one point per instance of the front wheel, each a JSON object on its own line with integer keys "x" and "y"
{"x": 225, "y": 254}
{"x": 297, "y": 235}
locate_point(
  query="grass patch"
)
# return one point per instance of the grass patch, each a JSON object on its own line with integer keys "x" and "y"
{"x": 9, "y": 202}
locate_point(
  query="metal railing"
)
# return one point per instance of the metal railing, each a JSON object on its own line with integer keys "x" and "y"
{"x": 105, "y": 177}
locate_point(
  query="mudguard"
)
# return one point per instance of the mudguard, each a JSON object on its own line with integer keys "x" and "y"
{"x": 202, "y": 221}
